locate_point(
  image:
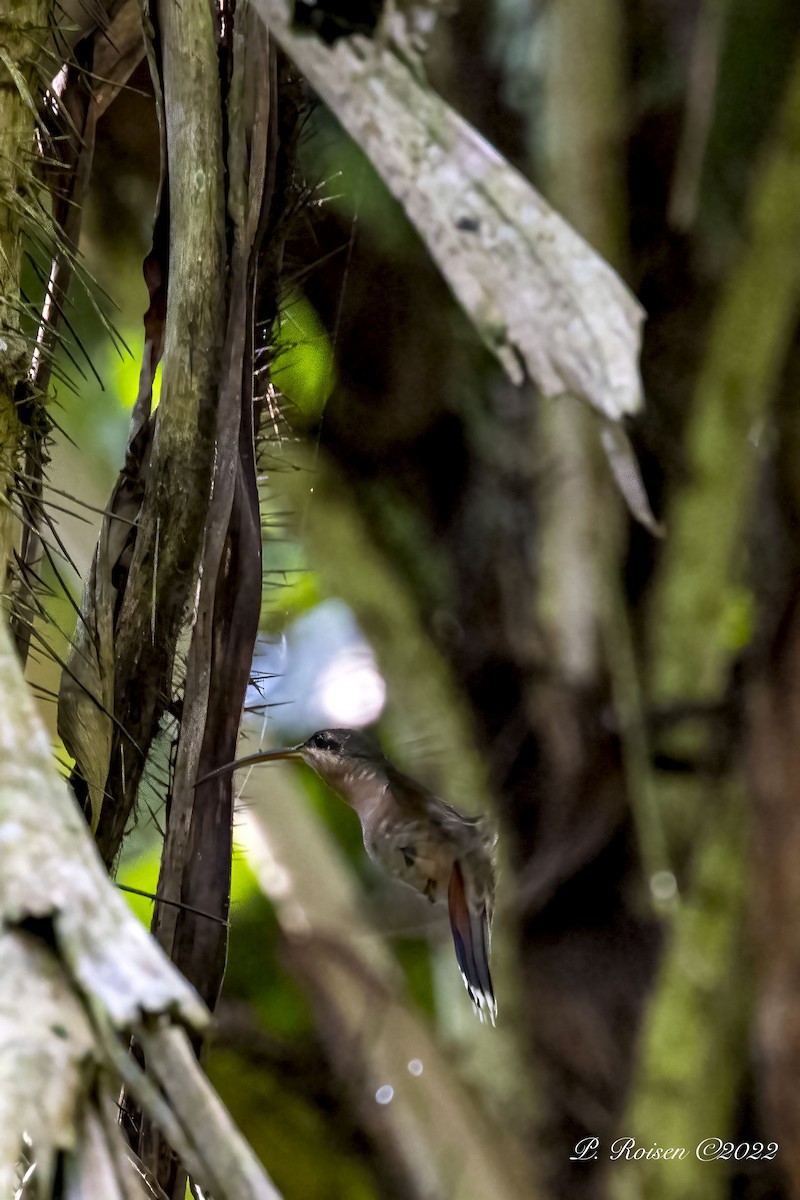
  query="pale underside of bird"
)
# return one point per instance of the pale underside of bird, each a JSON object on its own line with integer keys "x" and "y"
{"x": 415, "y": 838}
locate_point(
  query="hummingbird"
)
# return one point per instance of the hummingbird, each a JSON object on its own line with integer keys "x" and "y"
{"x": 414, "y": 837}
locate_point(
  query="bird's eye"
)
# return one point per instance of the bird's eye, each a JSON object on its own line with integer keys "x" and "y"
{"x": 324, "y": 741}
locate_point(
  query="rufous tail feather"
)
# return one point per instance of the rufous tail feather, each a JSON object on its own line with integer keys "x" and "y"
{"x": 471, "y": 938}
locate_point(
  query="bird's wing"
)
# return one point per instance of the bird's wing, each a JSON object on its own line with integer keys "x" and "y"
{"x": 413, "y": 797}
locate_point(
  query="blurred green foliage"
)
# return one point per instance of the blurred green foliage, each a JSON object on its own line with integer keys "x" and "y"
{"x": 304, "y": 369}
{"x": 296, "y": 1140}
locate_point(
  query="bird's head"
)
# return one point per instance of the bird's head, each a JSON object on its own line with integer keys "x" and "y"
{"x": 335, "y": 754}
{"x": 329, "y": 746}
{"x": 349, "y": 761}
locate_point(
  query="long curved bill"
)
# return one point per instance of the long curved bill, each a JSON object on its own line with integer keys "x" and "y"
{"x": 252, "y": 759}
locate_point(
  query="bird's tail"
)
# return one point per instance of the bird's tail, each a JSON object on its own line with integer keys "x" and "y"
{"x": 470, "y": 923}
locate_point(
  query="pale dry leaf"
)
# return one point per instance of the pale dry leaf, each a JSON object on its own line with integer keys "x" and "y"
{"x": 625, "y": 469}
{"x": 86, "y": 693}
{"x": 543, "y": 301}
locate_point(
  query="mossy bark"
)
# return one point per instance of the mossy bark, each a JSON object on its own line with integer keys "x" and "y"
{"x": 22, "y": 26}
{"x": 691, "y": 1062}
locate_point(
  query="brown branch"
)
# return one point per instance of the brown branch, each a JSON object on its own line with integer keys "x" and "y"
{"x": 164, "y": 562}
{"x": 197, "y": 850}
{"x": 196, "y": 862}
